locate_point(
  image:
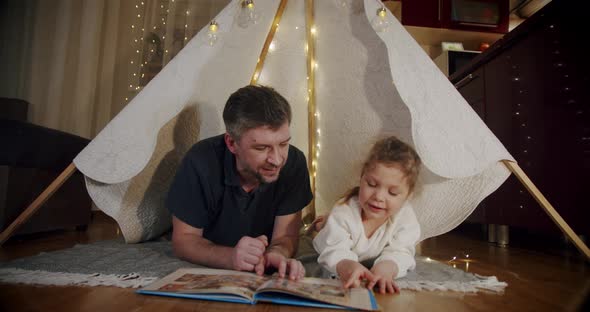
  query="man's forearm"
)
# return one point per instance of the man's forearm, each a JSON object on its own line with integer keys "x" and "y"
{"x": 201, "y": 251}
{"x": 286, "y": 245}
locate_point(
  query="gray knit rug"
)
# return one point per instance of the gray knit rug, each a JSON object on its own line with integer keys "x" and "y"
{"x": 114, "y": 263}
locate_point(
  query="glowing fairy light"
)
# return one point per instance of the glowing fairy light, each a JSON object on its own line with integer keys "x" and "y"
{"x": 247, "y": 14}
{"x": 212, "y": 35}
{"x": 380, "y": 21}
{"x": 313, "y": 127}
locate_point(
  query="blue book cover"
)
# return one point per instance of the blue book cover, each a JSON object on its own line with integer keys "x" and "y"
{"x": 242, "y": 287}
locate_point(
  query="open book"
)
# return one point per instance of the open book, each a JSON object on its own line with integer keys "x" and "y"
{"x": 234, "y": 286}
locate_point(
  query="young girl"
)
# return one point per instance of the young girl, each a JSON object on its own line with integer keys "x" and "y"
{"x": 374, "y": 221}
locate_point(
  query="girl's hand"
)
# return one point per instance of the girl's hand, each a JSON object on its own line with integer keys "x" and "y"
{"x": 351, "y": 274}
{"x": 385, "y": 271}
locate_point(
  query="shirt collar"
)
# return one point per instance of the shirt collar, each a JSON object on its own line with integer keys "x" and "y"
{"x": 229, "y": 169}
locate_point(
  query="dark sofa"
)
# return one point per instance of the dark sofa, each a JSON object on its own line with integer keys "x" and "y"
{"x": 31, "y": 157}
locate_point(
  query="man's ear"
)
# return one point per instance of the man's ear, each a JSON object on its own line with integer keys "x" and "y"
{"x": 230, "y": 142}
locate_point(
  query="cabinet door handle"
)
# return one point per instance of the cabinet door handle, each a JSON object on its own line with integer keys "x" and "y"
{"x": 439, "y": 10}
{"x": 465, "y": 80}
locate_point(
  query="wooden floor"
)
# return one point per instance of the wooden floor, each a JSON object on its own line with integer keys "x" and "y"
{"x": 546, "y": 280}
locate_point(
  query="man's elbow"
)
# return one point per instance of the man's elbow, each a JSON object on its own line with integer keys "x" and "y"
{"x": 177, "y": 248}
{"x": 181, "y": 245}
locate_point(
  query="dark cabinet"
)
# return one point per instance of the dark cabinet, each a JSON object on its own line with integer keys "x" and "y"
{"x": 471, "y": 15}
{"x": 424, "y": 13}
{"x": 472, "y": 89}
{"x": 532, "y": 92}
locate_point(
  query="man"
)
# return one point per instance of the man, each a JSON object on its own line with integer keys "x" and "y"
{"x": 236, "y": 192}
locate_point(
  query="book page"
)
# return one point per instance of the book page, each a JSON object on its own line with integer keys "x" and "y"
{"x": 209, "y": 281}
{"x": 324, "y": 290}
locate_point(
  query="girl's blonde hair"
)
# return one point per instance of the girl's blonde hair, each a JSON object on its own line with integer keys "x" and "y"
{"x": 391, "y": 151}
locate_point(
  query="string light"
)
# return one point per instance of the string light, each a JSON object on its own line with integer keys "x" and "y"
{"x": 133, "y": 69}
{"x": 462, "y": 257}
{"x": 212, "y": 33}
{"x": 314, "y": 129}
{"x": 248, "y": 14}
{"x": 343, "y": 3}
{"x": 380, "y": 21}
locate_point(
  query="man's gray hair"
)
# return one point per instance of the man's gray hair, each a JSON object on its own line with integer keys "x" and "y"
{"x": 254, "y": 106}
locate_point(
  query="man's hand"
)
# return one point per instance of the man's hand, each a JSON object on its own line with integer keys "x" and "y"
{"x": 248, "y": 252}
{"x": 285, "y": 237}
{"x": 284, "y": 265}
{"x": 386, "y": 271}
{"x": 351, "y": 274}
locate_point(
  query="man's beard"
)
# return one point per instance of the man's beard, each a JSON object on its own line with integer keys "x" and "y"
{"x": 260, "y": 178}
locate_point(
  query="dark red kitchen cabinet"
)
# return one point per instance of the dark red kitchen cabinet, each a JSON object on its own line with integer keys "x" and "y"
{"x": 423, "y": 13}
{"x": 471, "y": 15}
{"x": 535, "y": 98}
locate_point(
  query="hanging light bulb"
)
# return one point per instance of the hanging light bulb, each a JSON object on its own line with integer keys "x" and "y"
{"x": 212, "y": 33}
{"x": 344, "y": 3}
{"x": 247, "y": 14}
{"x": 380, "y": 22}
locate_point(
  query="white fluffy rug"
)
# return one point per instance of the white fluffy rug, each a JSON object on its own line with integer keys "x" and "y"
{"x": 114, "y": 263}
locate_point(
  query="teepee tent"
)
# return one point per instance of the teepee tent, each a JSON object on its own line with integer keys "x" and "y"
{"x": 349, "y": 79}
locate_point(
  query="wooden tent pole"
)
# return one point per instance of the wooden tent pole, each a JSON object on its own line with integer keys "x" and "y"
{"x": 269, "y": 38}
{"x": 533, "y": 190}
{"x": 37, "y": 203}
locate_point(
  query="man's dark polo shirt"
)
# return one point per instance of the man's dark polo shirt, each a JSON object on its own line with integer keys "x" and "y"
{"x": 206, "y": 193}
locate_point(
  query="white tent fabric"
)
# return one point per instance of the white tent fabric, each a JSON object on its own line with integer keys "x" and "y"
{"x": 368, "y": 85}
